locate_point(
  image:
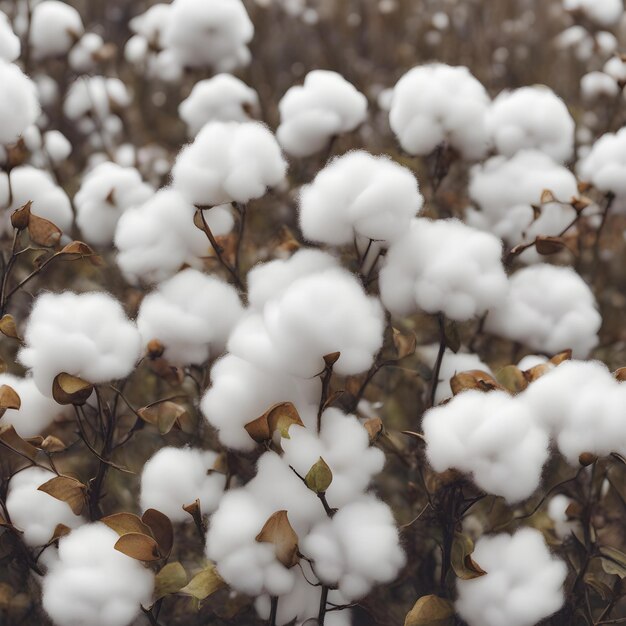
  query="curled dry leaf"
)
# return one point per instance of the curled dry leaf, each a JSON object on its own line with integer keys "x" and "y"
{"x": 461, "y": 558}
{"x": 52, "y": 444}
{"x": 124, "y": 523}
{"x": 67, "y": 489}
{"x": 278, "y": 417}
{"x": 68, "y": 389}
{"x": 279, "y": 532}
{"x": 404, "y": 343}
{"x": 138, "y": 546}
{"x": 171, "y": 578}
{"x": 9, "y": 399}
{"x": 164, "y": 415}
{"x": 374, "y": 428}
{"x": 10, "y": 439}
{"x": 204, "y": 583}
{"x": 319, "y": 477}
{"x": 474, "y": 379}
{"x": 161, "y": 528}
{"x": 430, "y": 610}
{"x": 557, "y": 359}
{"x": 43, "y": 232}
{"x": 8, "y": 327}
{"x": 549, "y": 245}
{"x": 79, "y": 250}
{"x": 512, "y": 379}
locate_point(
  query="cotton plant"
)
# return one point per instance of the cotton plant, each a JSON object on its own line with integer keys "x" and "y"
{"x": 311, "y": 115}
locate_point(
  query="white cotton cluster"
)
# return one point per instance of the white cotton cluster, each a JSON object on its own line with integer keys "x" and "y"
{"x": 557, "y": 511}
{"x": 531, "y": 118}
{"x": 105, "y": 193}
{"x": 19, "y": 105}
{"x": 83, "y": 57}
{"x": 443, "y": 266}
{"x": 580, "y": 404}
{"x": 175, "y": 477}
{"x": 491, "y": 436}
{"x": 56, "y": 145}
{"x": 506, "y": 189}
{"x": 155, "y": 239}
{"x": 326, "y": 105}
{"x": 34, "y": 512}
{"x": 10, "y": 46}
{"x": 54, "y": 28}
{"x": 522, "y": 586}
{"x": 191, "y": 315}
{"x": 227, "y": 162}
{"x": 86, "y": 335}
{"x": 615, "y": 67}
{"x": 435, "y": 104}
{"x": 602, "y": 12}
{"x": 598, "y": 84}
{"x": 92, "y": 583}
{"x": 359, "y": 195}
{"x": 605, "y": 165}
{"x": 36, "y": 411}
{"x": 586, "y": 45}
{"x": 548, "y": 308}
{"x": 48, "y": 199}
{"x": 222, "y": 98}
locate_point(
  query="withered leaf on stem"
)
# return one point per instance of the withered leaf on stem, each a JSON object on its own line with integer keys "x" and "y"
{"x": 124, "y": 523}
{"x": 473, "y": 379}
{"x": 549, "y": 245}
{"x": 430, "y": 610}
{"x": 279, "y": 417}
{"x": 404, "y": 343}
{"x": 374, "y": 428}
{"x": 557, "y": 359}
{"x": 319, "y": 477}
{"x": 68, "y": 389}
{"x": 164, "y": 415}
{"x": 613, "y": 561}
{"x": 52, "y": 444}
{"x": 11, "y": 440}
{"x": 620, "y": 374}
{"x": 8, "y": 327}
{"x": 43, "y": 232}
{"x": 512, "y": 379}
{"x": 461, "y": 558}
{"x": 452, "y": 335}
{"x": 204, "y": 583}
{"x": 79, "y": 250}
{"x": 138, "y": 546}
{"x": 67, "y": 489}
{"x": 9, "y": 399}
{"x": 161, "y": 528}
{"x": 171, "y": 578}
{"x": 278, "y": 531}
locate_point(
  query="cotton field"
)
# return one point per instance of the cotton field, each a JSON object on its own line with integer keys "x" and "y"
{"x": 312, "y": 312}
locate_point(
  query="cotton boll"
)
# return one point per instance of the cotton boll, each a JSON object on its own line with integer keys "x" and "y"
{"x": 191, "y": 315}
{"x": 548, "y": 308}
{"x": 95, "y": 95}
{"x": 240, "y": 392}
{"x": 522, "y": 586}
{"x": 228, "y": 162}
{"x": 57, "y": 146}
{"x": 105, "y": 193}
{"x": 362, "y": 195}
{"x": 437, "y": 103}
{"x": 86, "y": 335}
{"x": 491, "y": 436}
{"x": 531, "y": 118}
{"x": 34, "y": 512}
{"x": 616, "y": 69}
{"x": 10, "y": 46}
{"x": 83, "y": 57}
{"x": 598, "y": 84}
{"x": 602, "y": 12}
{"x": 19, "y": 106}
{"x": 92, "y": 583}
{"x": 310, "y": 115}
{"x": 55, "y": 26}
{"x": 357, "y": 548}
{"x": 175, "y": 477}
{"x": 156, "y": 238}
{"x": 222, "y": 98}
{"x": 446, "y": 266}
{"x": 605, "y": 165}
{"x": 557, "y": 510}
{"x": 152, "y": 23}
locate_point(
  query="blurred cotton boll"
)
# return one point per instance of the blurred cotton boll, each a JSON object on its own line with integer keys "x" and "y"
{"x": 10, "y": 46}
{"x": 19, "y": 105}
{"x": 605, "y": 165}
{"x": 92, "y": 583}
{"x": 522, "y": 586}
{"x": 55, "y": 26}
{"x": 86, "y": 335}
{"x": 326, "y": 105}
{"x": 602, "y": 12}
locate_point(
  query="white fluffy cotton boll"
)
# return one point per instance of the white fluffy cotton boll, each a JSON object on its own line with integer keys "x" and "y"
{"x": 34, "y": 512}
{"x": 86, "y": 335}
{"x": 54, "y": 28}
{"x": 359, "y": 194}
{"x": 437, "y": 103}
{"x": 222, "y": 98}
{"x": 557, "y": 511}
{"x": 240, "y": 392}
{"x": 548, "y": 308}
{"x": 156, "y": 238}
{"x": 105, "y": 193}
{"x": 491, "y": 436}
{"x": 531, "y": 118}
{"x": 19, "y": 105}
{"x": 57, "y": 146}
{"x": 605, "y": 165}
{"x": 36, "y": 412}
{"x": 92, "y": 583}
{"x": 522, "y": 586}
{"x": 603, "y": 12}
{"x": 227, "y": 162}
{"x": 356, "y": 549}
{"x": 83, "y": 57}
{"x": 267, "y": 281}
{"x": 175, "y": 477}
{"x": 211, "y": 34}
{"x": 344, "y": 445}
{"x": 152, "y": 23}
{"x": 10, "y": 46}
{"x": 598, "y": 84}
{"x": 95, "y": 95}
{"x": 191, "y": 315}
{"x": 443, "y": 266}
{"x": 326, "y": 105}
{"x": 616, "y": 69}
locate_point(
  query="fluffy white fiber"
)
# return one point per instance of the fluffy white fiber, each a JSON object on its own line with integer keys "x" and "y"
{"x": 175, "y": 477}
{"x": 10, "y": 45}
{"x": 19, "y": 105}
{"x": 35, "y": 512}
{"x": 531, "y": 118}
{"x": 222, "y": 98}
{"x": 359, "y": 194}
{"x": 156, "y": 238}
{"x": 55, "y": 26}
{"x": 603, "y": 12}
{"x": 598, "y": 84}
{"x": 548, "y": 308}
{"x": 95, "y": 95}
{"x": 557, "y": 511}
{"x": 229, "y": 162}
{"x": 105, "y": 193}
{"x": 191, "y": 314}
{"x": 326, "y": 105}
{"x": 83, "y": 57}
{"x": 491, "y": 436}
{"x": 86, "y": 335}
{"x": 56, "y": 145}
{"x": 92, "y": 583}
{"x": 522, "y": 586}
{"x": 605, "y": 165}
{"x": 443, "y": 266}
{"x": 437, "y": 103}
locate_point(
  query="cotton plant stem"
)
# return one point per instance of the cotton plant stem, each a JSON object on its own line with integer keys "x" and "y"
{"x": 434, "y": 381}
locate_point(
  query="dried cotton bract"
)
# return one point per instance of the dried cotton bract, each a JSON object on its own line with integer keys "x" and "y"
{"x": 19, "y": 105}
